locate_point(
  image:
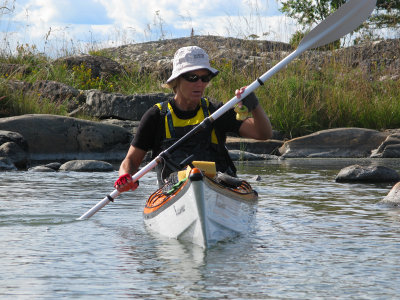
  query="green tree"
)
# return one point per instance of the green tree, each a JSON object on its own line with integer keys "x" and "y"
{"x": 388, "y": 14}
{"x": 308, "y": 12}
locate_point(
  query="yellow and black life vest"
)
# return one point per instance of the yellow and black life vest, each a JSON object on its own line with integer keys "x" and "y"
{"x": 174, "y": 126}
{"x": 206, "y": 145}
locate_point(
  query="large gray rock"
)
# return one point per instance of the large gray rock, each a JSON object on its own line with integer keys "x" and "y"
{"x": 104, "y": 105}
{"x": 131, "y": 126}
{"x": 254, "y": 146}
{"x": 99, "y": 66}
{"x": 16, "y": 154}
{"x": 14, "y": 137}
{"x": 239, "y": 155}
{"x": 15, "y": 147}
{"x": 53, "y": 137}
{"x": 18, "y": 86}
{"x": 155, "y": 58}
{"x": 390, "y": 148}
{"x": 357, "y": 173}
{"x": 369, "y": 55}
{"x": 393, "y": 198}
{"x": 87, "y": 166}
{"x": 333, "y": 143}
{"x": 59, "y": 93}
{"x": 13, "y": 69}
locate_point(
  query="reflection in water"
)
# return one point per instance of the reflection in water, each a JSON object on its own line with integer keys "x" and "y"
{"x": 314, "y": 238}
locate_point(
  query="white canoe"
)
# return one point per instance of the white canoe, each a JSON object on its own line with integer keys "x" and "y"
{"x": 201, "y": 210}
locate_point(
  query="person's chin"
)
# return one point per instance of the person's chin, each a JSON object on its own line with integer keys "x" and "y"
{"x": 196, "y": 95}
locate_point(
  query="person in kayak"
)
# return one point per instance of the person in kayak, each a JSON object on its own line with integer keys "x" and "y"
{"x": 165, "y": 123}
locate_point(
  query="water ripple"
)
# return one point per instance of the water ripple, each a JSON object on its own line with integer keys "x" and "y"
{"x": 314, "y": 238}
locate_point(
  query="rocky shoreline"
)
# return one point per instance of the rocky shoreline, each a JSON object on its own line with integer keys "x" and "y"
{"x": 86, "y": 146}
{"x": 80, "y": 145}
{"x": 38, "y": 137}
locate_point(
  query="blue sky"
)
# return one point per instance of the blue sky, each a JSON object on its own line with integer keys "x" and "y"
{"x": 56, "y": 25}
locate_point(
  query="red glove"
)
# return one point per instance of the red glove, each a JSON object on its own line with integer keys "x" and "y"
{"x": 125, "y": 183}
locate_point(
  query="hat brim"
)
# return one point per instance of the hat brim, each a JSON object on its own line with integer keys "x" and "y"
{"x": 193, "y": 68}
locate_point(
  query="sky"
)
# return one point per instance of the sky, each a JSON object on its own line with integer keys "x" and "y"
{"x": 57, "y": 26}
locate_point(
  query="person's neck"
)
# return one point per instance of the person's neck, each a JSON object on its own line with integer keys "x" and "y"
{"x": 185, "y": 104}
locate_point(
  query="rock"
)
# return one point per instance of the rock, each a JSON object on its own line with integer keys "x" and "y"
{"x": 372, "y": 58}
{"x": 357, "y": 173}
{"x": 15, "y": 137}
{"x": 41, "y": 169}
{"x": 104, "y": 105}
{"x": 18, "y": 86}
{"x": 372, "y": 55}
{"x": 54, "y": 165}
{"x": 99, "y": 66}
{"x": 50, "y": 167}
{"x": 254, "y": 146}
{"x": 15, "y": 153}
{"x": 390, "y": 148}
{"x": 332, "y": 143}
{"x": 131, "y": 126}
{"x": 155, "y": 58}
{"x": 393, "y": 198}
{"x": 51, "y": 137}
{"x": 257, "y": 178}
{"x": 58, "y": 92}
{"x": 87, "y": 166}
{"x": 237, "y": 155}
{"x": 15, "y": 147}
{"x": 391, "y": 151}
{"x": 375, "y": 59}
{"x": 11, "y": 69}
{"x": 6, "y": 164}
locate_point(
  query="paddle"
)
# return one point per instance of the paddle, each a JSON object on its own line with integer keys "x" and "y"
{"x": 347, "y": 18}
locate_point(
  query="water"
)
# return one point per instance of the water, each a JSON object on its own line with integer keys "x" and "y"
{"x": 314, "y": 238}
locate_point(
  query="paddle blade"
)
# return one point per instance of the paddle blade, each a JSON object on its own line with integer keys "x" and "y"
{"x": 347, "y": 18}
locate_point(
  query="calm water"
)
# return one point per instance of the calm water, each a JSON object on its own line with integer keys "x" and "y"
{"x": 314, "y": 238}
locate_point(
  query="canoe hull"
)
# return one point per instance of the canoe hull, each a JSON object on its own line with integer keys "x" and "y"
{"x": 204, "y": 213}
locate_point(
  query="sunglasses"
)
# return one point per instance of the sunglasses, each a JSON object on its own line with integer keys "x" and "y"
{"x": 194, "y": 77}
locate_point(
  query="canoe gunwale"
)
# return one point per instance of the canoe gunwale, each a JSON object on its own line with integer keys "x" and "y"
{"x": 170, "y": 200}
{"x": 250, "y": 196}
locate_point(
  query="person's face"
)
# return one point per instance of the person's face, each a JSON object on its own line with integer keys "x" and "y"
{"x": 192, "y": 84}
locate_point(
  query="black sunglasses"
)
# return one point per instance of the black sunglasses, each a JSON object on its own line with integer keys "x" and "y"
{"x": 194, "y": 77}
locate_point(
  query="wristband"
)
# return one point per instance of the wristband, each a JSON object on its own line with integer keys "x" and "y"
{"x": 250, "y": 101}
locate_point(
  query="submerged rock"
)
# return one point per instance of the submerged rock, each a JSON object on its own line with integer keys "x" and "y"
{"x": 54, "y": 165}
{"x": 41, "y": 169}
{"x": 393, "y": 198}
{"x": 6, "y": 164}
{"x": 357, "y": 173}
{"x": 16, "y": 154}
{"x": 87, "y": 166}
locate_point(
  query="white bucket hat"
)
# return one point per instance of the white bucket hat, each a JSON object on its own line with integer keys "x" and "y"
{"x": 188, "y": 59}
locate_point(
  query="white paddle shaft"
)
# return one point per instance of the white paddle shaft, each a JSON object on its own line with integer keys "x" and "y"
{"x": 115, "y": 193}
